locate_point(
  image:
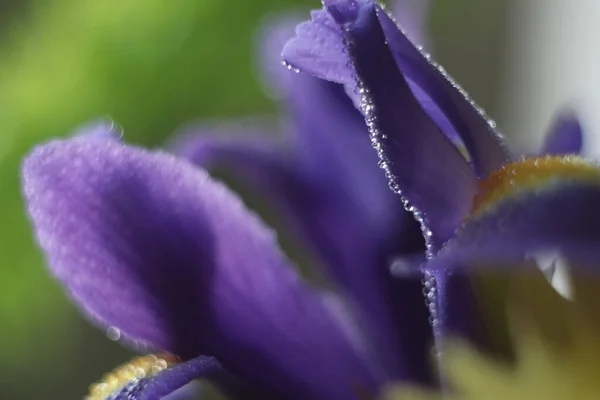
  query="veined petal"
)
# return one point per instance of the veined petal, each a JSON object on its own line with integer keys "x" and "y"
{"x": 318, "y": 48}
{"x": 152, "y": 245}
{"x": 565, "y": 136}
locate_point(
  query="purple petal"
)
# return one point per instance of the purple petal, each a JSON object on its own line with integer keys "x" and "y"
{"x": 458, "y": 313}
{"x": 565, "y": 136}
{"x": 317, "y": 50}
{"x": 168, "y": 381}
{"x": 562, "y": 217}
{"x": 558, "y": 214}
{"x": 333, "y": 220}
{"x": 419, "y": 160}
{"x": 485, "y": 145}
{"x": 151, "y": 245}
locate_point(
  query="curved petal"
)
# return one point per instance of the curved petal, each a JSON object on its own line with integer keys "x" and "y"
{"x": 565, "y": 136}
{"x": 560, "y": 215}
{"x": 151, "y": 245}
{"x": 149, "y": 378}
{"x": 356, "y": 250}
{"x": 478, "y": 133}
{"x": 421, "y": 163}
{"x": 533, "y": 207}
{"x": 316, "y": 49}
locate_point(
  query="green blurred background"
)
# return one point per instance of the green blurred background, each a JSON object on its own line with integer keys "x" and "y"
{"x": 152, "y": 66}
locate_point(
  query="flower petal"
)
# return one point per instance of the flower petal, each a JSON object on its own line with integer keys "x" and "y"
{"x": 316, "y": 49}
{"x": 477, "y": 131}
{"x": 420, "y": 161}
{"x": 153, "y": 246}
{"x": 565, "y": 136}
{"x": 156, "y": 380}
{"x": 331, "y": 219}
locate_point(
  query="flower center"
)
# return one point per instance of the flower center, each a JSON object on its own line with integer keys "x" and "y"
{"x": 531, "y": 174}
{"x": 127, "y": 374}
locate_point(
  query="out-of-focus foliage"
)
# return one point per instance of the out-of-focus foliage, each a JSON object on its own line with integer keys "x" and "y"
{"x": 151, "y": 65}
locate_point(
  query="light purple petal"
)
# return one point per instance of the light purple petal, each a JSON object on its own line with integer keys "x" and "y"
{"x": 151, "y": 245}
{"x": 565, "y": 136}
{"x": 458, "y": 313}
{"x": 318, "y": 49}
{"x": 332, "y": 220}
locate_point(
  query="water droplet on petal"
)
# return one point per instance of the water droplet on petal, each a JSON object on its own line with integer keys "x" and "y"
{"x": 113, "y": 333}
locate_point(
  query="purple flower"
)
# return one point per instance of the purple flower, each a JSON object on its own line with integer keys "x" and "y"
{"x": 329, "y": 191}
{"x": 151, "y": 245}
{"x": 416, "y": 115}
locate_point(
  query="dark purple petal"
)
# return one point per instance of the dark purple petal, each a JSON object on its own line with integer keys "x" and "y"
{"x": 166, "y": 382}
{"x": 317, "y": 50}
{"x": 419, "y": 160}
{"x": 565, "y": 136}
{"x": 151, "y": 245}
{"x": 331, "y": 218}
{"x": 484, "y": 144}
{"x": 561, "y": 217}
{"x": 333, "y": 143}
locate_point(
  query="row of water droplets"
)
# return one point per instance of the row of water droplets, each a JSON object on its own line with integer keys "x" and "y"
{"x": 429, "y": 281}
{"x": 378, "y": 139}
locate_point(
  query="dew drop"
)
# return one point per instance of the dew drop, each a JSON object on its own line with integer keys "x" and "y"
{"x": 113, "y": 333}
{"x": 290, "y": 67}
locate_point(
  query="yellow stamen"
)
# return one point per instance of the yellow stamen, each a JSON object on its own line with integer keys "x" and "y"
{"x": 133, "y": 371}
